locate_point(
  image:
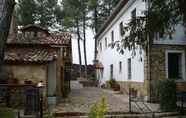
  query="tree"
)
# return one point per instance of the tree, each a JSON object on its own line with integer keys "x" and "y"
{"x": 72, "y": 21}
{"x": 160, "y": 18}
{"x": 84, "y": 5}
{"x": 101, "y": 10}
{"x": 45, "y": 13}
{"x": 5, "y": 21}
{"x": 26, "y": 12}
{"x": 42, "y": 12}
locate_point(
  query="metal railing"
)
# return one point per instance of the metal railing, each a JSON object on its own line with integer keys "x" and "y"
{"x": 22, "y": 97}
{"x": 181, "y": 102}
{"x": 136, "y": 101}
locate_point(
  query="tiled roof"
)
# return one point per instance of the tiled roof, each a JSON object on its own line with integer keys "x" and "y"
{"x": 30, "y": 54}
{"x": 52, "y": 39}
{"x": 115, "y": 12}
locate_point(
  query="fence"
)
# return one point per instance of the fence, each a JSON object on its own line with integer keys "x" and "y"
{"x": 24, "y": 97}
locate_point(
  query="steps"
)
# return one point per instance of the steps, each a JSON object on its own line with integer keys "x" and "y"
{"x": 117, "y": 115}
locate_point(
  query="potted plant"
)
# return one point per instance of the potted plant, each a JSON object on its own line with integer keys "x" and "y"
{"x": 116, "y": 87}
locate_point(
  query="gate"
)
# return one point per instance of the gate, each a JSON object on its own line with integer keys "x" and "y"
{"x": 32, "y": 104}
{"x": 22, "y": 97}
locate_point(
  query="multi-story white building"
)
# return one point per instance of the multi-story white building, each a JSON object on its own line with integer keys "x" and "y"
{"x": 166, "y": 57}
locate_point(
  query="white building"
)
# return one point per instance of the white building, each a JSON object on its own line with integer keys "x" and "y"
{"x": 167, "y": 57}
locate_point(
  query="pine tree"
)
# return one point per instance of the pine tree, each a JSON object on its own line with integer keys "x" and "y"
{"x": 42, "y": 12}
{"x": 72, "y": 21}
{"x": 26, "y": 11}
{"x": 5, "y": 21}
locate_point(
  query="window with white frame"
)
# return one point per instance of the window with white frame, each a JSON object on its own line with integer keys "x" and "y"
{"x": 111, "y": 72}
{"x": 100, "y": 46}
{"x": 133, "y": 13}
{"x": 175, "y": 64}
{"x": 129, "y": 69}
{"x": 121, "y": 29}
{"x": 105, "y": 42}
{"x": 120, "y": 67}
{"x": 112, "y": 36}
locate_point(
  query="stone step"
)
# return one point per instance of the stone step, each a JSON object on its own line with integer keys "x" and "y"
{"x": 118, "y": 115}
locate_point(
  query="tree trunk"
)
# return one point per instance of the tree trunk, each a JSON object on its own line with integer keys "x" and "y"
{"x": 5, "y": 21}
{"x": 96, "y": 29}
{"x": 79, "y": 48}
{"x": 84, "y": 38}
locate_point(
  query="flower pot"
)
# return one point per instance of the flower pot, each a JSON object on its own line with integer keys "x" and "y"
{"x": 13, "y": 81}
{"x": 116, "y": 87}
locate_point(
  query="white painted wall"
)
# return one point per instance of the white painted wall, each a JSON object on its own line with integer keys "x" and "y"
{"x": 110, "y": 56}
{"x": 178, "y": 37}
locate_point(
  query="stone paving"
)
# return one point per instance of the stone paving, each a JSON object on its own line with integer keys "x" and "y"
{"x": 82, "y": 98}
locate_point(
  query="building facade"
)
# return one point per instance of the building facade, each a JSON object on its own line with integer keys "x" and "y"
{"x": 166, "y": 56}
{"x": 35, "y": 55}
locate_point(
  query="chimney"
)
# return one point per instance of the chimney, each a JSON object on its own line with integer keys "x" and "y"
{"x": 13, "y": 26}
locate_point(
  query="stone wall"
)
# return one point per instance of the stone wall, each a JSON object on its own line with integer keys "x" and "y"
{"x": 35, "y": 73}
{"x": 137, "y": 86}
{"x": 158, "y": 60}
{"x": 158, "y": 63}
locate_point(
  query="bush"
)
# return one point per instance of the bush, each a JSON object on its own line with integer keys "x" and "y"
{"x": 98, "y": 109}
{"x": 6, "y": 113}
{"x": 167, "y": 95}
{"x": 111, "y": 83}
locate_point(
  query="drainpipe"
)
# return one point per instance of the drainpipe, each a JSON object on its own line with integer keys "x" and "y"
{"x": 148, "y": 56}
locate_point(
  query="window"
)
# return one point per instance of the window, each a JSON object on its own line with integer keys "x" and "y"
{"x": 175, "y": 66}
{"x": 112, "y": 36}
{"x": 121, "y": 29}
{"x": 133, "y": 13}
{"x": 101, "y": 72}
{"x": 111, "y": 71}
{"x": 120, "y": 67}
{"x": 129, "y": 69}
{"x": 100, "y": 45}
{"x": 105, "y": 42}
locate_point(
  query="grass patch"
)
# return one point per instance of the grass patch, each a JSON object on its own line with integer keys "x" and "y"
{"x": 6, "y": 113}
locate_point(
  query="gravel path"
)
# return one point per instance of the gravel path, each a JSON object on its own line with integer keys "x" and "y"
{"x": 82, "y": 98}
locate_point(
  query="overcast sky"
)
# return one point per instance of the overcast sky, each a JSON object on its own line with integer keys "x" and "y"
{"x": 90, "y": 49}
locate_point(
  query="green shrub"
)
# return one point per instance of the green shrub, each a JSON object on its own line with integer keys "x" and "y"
{"x": 6, "y": 113}
{"x": 98, "y": 109}
{"x": 93, "y": 78}
{"x": 167, "y": 95}
{"x": 111, "y": 83}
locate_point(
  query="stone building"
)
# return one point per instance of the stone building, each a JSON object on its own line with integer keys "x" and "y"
{"x": 33, "y": 54}
{"x": 166, "y": 56}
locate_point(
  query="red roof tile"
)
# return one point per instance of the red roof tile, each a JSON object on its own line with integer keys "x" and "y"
{"x": 53, "y": 39}
{"x": 30, "y": 54}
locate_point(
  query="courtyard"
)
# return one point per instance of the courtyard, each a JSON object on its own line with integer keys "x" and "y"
{"x": 81, "y": 99}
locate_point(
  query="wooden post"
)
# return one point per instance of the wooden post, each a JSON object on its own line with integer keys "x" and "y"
{"x": 130, "y": 105}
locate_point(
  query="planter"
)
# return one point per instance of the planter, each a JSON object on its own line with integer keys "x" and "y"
{"x": 13, "y": 81}
{"x": 116, "y": 87}
{"x": 88, "y": 83}
{"x": 181, "y": 86}
{"x": 3, "y": 81}
{"x": 28, "y": 82}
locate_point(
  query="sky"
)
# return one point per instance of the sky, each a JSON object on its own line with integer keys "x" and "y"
{"x": 90, "y": 48}
{"x": 89, "y": 44}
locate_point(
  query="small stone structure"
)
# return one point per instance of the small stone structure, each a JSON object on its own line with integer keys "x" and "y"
{"x": 33, "y": 54}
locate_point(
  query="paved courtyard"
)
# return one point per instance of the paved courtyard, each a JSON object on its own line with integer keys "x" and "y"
{"x": 82, "y": 98}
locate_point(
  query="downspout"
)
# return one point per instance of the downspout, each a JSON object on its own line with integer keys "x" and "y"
{"x": 148, "y": 55}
